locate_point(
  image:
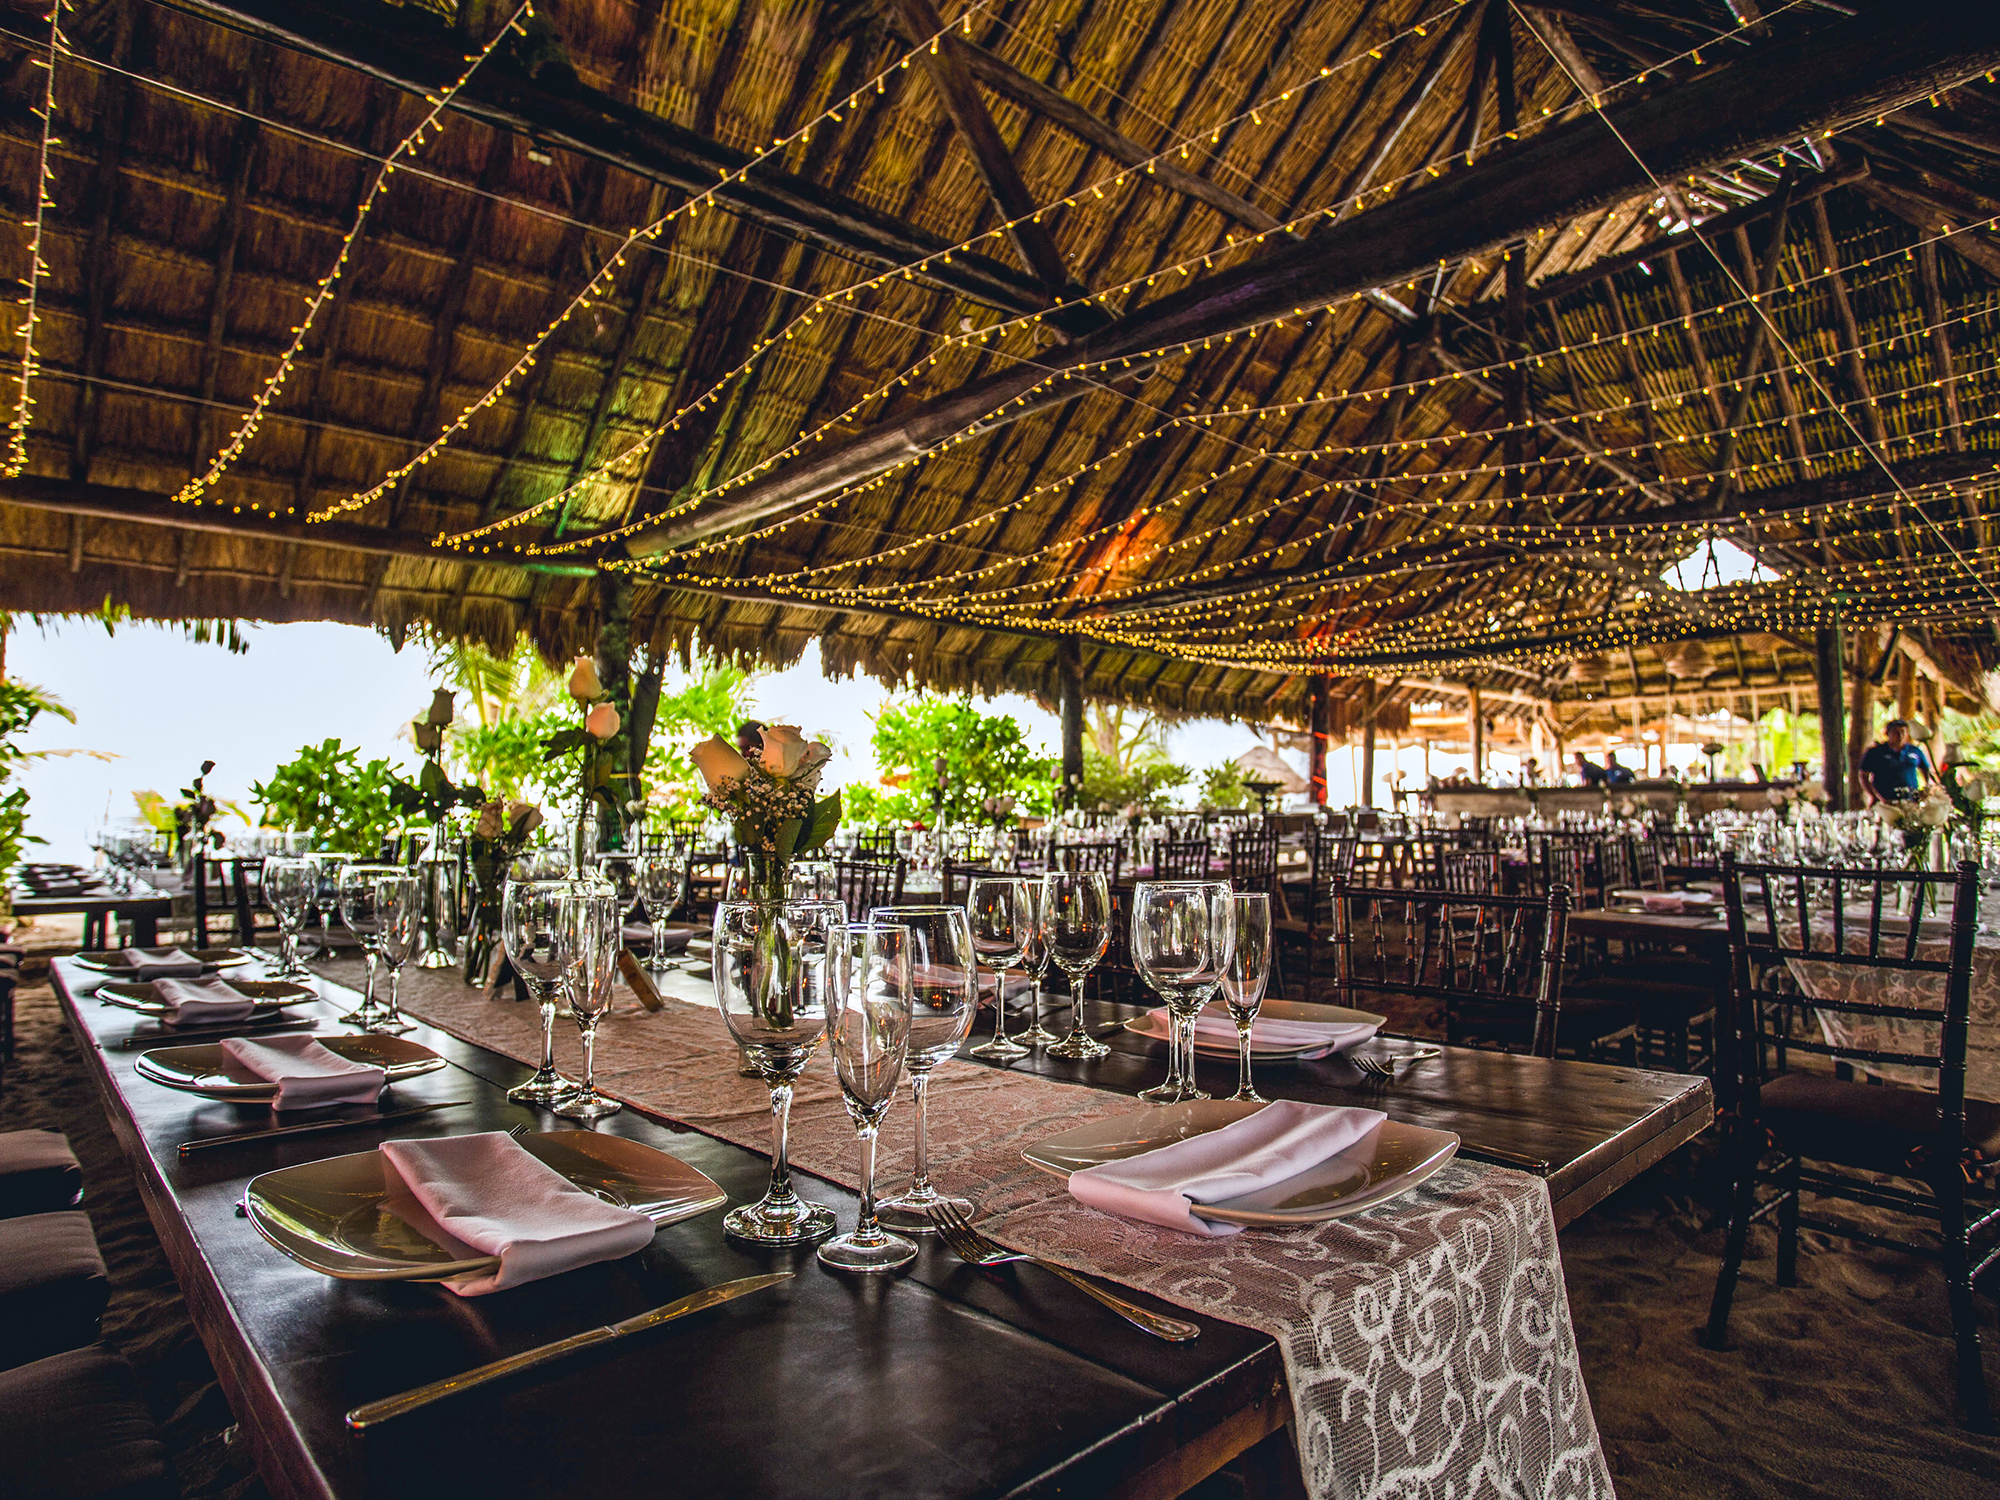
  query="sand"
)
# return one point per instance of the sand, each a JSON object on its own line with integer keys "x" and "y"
{"x": 1839, "y": 1387}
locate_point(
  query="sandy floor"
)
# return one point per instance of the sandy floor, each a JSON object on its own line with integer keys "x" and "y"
{"x": 1840, "y": 1387}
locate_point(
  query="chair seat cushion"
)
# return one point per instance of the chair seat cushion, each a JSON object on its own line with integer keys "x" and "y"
{"x": 1871, "y": 1126}
{"x": 38, "y": 1173}
{"x": 52, "y": 1286}
{"x": 72, "y": 1427}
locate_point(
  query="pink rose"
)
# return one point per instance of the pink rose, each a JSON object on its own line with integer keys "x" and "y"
{"x": 718, "y": 761}
{"x": 602, "y": 721}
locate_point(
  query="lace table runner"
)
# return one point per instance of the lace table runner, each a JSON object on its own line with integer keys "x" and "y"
{"x": 1427, "y": 1344}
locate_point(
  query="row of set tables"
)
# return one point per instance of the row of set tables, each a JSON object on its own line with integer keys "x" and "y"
{"x": 945, "y": 1380}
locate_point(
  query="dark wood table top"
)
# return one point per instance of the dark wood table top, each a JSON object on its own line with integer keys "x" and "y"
{"x": 1699, "y": 932}
{"x": 942, "y": 1382}
{"x": 124, "y": 904}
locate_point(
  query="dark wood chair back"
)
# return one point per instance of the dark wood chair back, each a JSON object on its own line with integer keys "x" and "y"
{"x": 1107, "y": 859}
{"x": 879, "y": 842}
{"x": 1253, "y": 859}
{"x": 1182, "y": 860}
{"x": 1567, "y": 858}
{"x": 956, "y": 877}
{"x": 1491, "y": 964}
{"x": 867, "y": 883}
{"x": 1685, "y": 846}
{"x": 1469, "y": 872}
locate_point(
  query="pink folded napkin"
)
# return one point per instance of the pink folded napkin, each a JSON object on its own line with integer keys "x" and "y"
{"x": 486, "y": 1192}
{"x": 160, "y": 963}
{"x": 1281, "y": 1140}
{"x": 192, "y": 1002}
{"x": 1324, "y": 1037}
{"x": 307, "y": 1074}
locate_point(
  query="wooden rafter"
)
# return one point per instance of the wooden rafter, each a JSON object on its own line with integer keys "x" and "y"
{"x": 1745, "y": 384}
{"x": 243, "y": 161}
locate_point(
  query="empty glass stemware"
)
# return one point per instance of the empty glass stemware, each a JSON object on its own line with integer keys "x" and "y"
{"x": 1244, "y": 981}
{"x": 1002, "y": 915}
{"x": 868, "y": 1003}
{"x": 1183, "y": 934}
{"x": 399, "y": 926}
{"x": 287, "y": 886}
{"x": 1035, "y": 964}
{"x": 659, "y": 893}
{"x": 942, "y": 1005}
{"x": 532, "y": 927}
{"x": 593, "y": 930}
{"x": 1076, "y": 926}
{"x": 355, "y": 885}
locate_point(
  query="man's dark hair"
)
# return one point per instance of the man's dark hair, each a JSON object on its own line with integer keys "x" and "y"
{"x": 1902, "y": 724}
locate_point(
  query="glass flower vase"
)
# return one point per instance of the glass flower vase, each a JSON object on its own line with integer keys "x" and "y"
{"x": 440, "y": 888}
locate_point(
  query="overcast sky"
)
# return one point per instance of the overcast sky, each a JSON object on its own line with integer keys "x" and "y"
{"x": 161, "y": 705}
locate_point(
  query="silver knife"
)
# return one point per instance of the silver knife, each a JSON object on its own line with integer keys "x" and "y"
{"x": 368, "y": 1414}
{"x": 314, "y": 1127}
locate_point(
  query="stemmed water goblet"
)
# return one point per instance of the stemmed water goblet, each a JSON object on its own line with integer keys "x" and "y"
{"x": 1035, "y": 964}
{"x": 532, "y": 927}
{"x": 1002, "y": 916}
{"x": 868, "y": 1023}
{"x": 770, "y": 965}
{"x": 286, "y": 884}
{"x": 1076, "y": 927}
{"x": 1183, "y": 934}
{"x": 399, "y": 927}
{"x": 659, "y": 894}
{"x": 593, "y": 931}
{"x": 943, "y": 1001}
{"x": 355, "y": 888}
{"x": 1245, "y": 979}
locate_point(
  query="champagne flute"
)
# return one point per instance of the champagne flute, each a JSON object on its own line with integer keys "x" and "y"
{"x": 659, "y": 894}
{"x": 1244, "y": 981}
{"x": 1076, "y": 926}
{"x": 770, "y": 967}
{"x": 593, "y": 930}
{"x": 355, "y": 888}
{"x": 1183, "y": 935}
{"x": 398, "y": 918}
{"x": 1002, "y": 916}
{"x": 868, "y": 1004}
{"x": 531, "y": 929}
{"x": 943, "y": 1002}
{"x": 286, "y": 886}
{"x": 1035, "y": 964}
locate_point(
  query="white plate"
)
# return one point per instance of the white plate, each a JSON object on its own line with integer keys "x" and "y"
{"x": 1153, "y": 1025}
{"x": 210, "y": 959}
{"x": 1389, "y": 1160}
{"x": 205, "y": 1069}
{"x": 271, "y": 996}
{"x": 335, "y": 1216}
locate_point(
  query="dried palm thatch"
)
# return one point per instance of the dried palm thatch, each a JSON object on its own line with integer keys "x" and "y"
{"x": 1478, "y": 472}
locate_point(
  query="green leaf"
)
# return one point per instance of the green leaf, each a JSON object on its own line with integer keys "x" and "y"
{"x": 825, "y": 819}
{"x": 785, "y": 838}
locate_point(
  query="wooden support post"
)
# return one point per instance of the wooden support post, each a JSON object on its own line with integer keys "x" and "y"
{"x": 1477, "y": 713}
{"x": 1860, "y": 707}
{"x": 1368, "y": 744}
{"x": 1832, "y": 717}
{"x": 1906, "y": 688}
{"x": 613, "y": 655}
{"x": 1320, "y": 723}
{"x": 1069, "y": 673}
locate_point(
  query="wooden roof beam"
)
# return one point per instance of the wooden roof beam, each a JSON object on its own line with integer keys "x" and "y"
{"x": 1847, "y": 71}
{"x": 385, "y": 43}
{"x": 1753, "y": 351}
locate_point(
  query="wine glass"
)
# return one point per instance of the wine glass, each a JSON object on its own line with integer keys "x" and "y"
{"x": 532, "y": 930}
{"x": 770, "y": 966}
{"x": 1003, "y": 919}
{"x": 1035, "y": 964}
{"x": 355, "y": 894}
{"x": 1076, "y": 925}
{"x": 286, "y": 885}
{"x": 1244, "y": 980}
{"x": 943, "y": 1001}
{"x": 398, "y": 921}
{"x": 813, "y": 880}
{"x": 593, "y": 931}
{"x": 868, "y": 1022}
{"x": 1183, "y": 934}
{"x": 659, "y": 894}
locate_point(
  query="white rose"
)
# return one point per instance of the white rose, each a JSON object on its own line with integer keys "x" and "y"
{"x": 812, "y": 763}
{"x": 718, "y": 762}
{"x": 784, "y": 750}
{"x": 583, "y": 683}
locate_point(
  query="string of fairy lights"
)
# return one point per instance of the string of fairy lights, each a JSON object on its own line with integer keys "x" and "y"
{"x": 30, "y": 307}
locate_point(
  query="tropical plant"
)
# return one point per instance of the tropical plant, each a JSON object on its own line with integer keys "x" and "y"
{"x": 712, "y": 703}
{"x": 326, "y": 789}
{"x": 943, "y": 758}
{"x": 21, "y": 704}
{"x": 1125, "y": 760}
{"x": 1222, "y": 786}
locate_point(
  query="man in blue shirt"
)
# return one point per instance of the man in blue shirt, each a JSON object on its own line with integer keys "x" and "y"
{"x": 1895, "y": 769}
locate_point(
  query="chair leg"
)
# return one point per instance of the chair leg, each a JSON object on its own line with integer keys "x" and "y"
{"x": 1715, "y": 1336}
{"x": 1950, "y": 1194}
{"x": 1788, "y": 1225}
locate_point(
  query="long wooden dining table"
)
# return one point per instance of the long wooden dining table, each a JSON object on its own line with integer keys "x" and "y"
{"x": 946, "y": 1381}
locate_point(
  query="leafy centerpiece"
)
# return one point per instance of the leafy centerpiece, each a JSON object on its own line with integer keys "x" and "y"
{"x": 497, "y": 840}
{"x": 775, "y": 812}
{"x": 1917, "y": 819}
{"x": 602, "y": 781}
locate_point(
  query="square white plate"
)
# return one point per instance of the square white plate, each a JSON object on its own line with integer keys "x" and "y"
{"x": 205, "y": 1069}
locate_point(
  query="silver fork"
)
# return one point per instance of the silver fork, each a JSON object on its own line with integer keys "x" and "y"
{"x": 1386, "y": 1067}
{"x": 968, "y": 1244}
